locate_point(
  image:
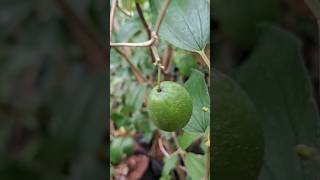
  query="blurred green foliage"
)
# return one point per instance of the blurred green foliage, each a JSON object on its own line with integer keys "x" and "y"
{"x": 52, "y": 96}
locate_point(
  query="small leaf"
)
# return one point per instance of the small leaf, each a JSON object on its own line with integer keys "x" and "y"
{"x": 186, "y": 24}
{"x": 186, "y": 139}
{"x": 169, "y": 164}
{"x": 185, "y": 63}
{"x": 197, "y": 88}
{"x": 121, "y": 147}
{"x": 136, "y": 96}
{"x": 195, "y": 165}
{"x": 127, "y": 4}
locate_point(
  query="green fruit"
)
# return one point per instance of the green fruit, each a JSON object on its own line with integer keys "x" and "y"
{"x": 238, "y": 143}
{"x": 170, "y": 108}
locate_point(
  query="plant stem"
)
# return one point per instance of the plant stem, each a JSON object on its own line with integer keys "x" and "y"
{"x": 113, "y": 9}
{"x": 204, "y": 58}
{"x": 207, "y": 164}
{"x": 159, "y": 77}
{"x": 161, "y": 15}
{"x": 142, "y": 44}
{"x": 136, "y": 72}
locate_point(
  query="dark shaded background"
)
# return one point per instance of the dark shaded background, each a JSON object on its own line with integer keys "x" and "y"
{"x": 235, "y": 27}
{"x": 270, "y": 48}
{"x": 53, "y": 98}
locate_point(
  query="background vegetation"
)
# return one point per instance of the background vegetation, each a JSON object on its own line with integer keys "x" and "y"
{"x": 53, "y": 89}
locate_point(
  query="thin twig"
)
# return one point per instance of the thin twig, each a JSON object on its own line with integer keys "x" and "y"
{"x": 143, "y": 44}
{"x": 314, "y": 6}
{"x": 124, "y": 11}
{"x": 146, "y": 26}
{"x": 162, "y": 149}
{"x": 143, "y": 19}
{"x": 175, "y": 139}
{"x": 155, "y": 54}
{"x": 161, "y": 15}
{"x": 135, "y": 70}
{"x": 207, "y": 164}
{"x": 112, "y": 13}
{"x": 168, "y": 52}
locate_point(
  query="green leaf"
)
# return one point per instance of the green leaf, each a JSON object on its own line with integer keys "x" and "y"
{"x": 195, "y": 165}
{"x": 277, "y": 81}
{"x": 236, "y": 132}
{"x": 186, "y": 24}
{"x": 136, "y": 96}
{"x": 121, "y": 147}
{"x": 127, "y": 4}
{"x": 169, "y": 164}
{"x": 185, "y": 63}
{"x": 197, "y": 88}
{"x": 186, "y": 139}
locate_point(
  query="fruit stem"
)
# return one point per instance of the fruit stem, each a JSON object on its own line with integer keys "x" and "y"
{"x": 207, "y": 164}
{"x": 159, "y": 77}
{"x": 205, "y": 58}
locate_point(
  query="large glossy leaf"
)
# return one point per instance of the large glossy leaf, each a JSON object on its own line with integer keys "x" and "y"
{"x": 277, "y": 82}
{"x": 197, "y": 88}
{"x": 236, "y": 132}
{"x": 186, "y": 24}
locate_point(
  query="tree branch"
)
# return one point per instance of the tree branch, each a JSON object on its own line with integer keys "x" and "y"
{"x": 161, "y": 15}
{"x": 146, "y": 26}
{"x": 144, "y": 22}
{"x": 143, "y": 44}
{"x": 135, "y": 70}
{"x": 125, "y": 12}
{"x": 162, "y": 149}
{"x": 314, "y": 6}
{"x": 112, "y": 13}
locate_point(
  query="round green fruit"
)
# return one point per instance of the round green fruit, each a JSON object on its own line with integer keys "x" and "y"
{"x": 238, "y": 142}
{"x": 170, "y": 108}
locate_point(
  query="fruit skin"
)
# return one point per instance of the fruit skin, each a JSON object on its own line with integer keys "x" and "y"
{"x": 238, "y": 142}
{"x": 171, "y": 108}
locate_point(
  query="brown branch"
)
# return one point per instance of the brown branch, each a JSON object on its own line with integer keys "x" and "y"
{"x": 143, "y": 44}
{"x": 125, "y": 12}
{"x": 168, "y": 52}
{"x": 146, "y": 26}
{"x": 162, "y": 149}
{"x": 135, "y": 70}
{"x": 314, "y": 6}
{"x": 161, "y": 15}
{"x": 175, "y": 139}
{"x": 143, "y": 19}
{"x": 112, "y": 13}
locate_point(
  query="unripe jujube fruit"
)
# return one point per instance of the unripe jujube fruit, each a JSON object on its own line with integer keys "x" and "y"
{"x": 170, "y": 108}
